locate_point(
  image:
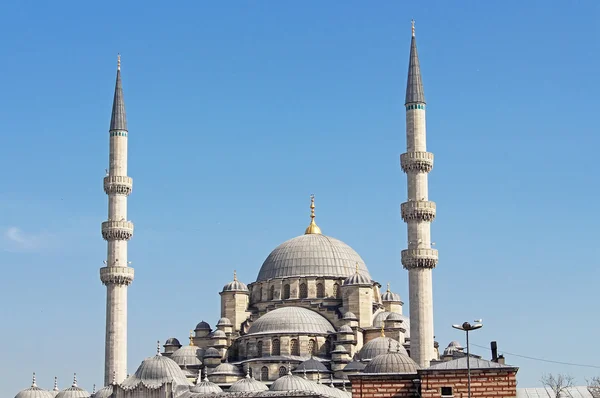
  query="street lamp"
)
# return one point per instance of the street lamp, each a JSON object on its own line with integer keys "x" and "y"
{"x": 467, "y": 327}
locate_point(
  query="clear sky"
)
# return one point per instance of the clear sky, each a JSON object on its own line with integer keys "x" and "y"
{"x": 238, "y": 111}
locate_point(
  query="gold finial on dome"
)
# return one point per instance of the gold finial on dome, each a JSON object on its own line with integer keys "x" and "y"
{"x": 313, "y": 228}
{"x": 382, "y": 329}
{"x": 357, "y": 268}
{"x": 191, "y": 337}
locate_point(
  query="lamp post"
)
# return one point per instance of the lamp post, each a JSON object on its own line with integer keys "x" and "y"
{"x": 467, "y": 327}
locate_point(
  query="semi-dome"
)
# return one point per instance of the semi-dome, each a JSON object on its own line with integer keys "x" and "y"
{"x": 227, "y": 369}
{"x": 292, "y": 320}
{"x": 291, "y": 382}
{"x": 235, "y": 285}
{"x": 392, "y": 362}
{"x": 380, "y": 317}
{"x": 189, "y": 355}
{"x": 205, "y": 386}
{"x": 379, "y": 346}
{"x": 203, "y": 326}
{"x": 312, "y": 254}
{"x": 248, "y": 384}
{"x": 154, "y": 372}
{"x": 104, "y": 392}
{"x": 34, "y": 391}
{"x": 74, "y": 391}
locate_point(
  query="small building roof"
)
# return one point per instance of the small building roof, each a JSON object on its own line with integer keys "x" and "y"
{"x": 546, "y": 392}
{"x": 475, "y": 363}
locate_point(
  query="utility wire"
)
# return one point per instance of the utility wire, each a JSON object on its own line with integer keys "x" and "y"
{"x": 542, "y": 360}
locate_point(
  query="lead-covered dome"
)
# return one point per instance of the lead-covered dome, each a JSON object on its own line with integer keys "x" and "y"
{"x": 34, "y": 391}
{"x": 189, "y": 355}
{"x": 312, "y": 254}
{"x": 248, "y": 384}
{"x": 292, "y": 320}
{"x": 392, "y": 362}
{"x": 379, "y": 346}
{"x": 154, "y": 372}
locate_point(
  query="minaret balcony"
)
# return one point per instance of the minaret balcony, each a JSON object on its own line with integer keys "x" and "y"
{"x": 116, "y": 275}
{"x": 117, "y": 230}
{"x": 419, "y": 258}
{"x": 118, "y": 185}
{"x": 418, "y": 210}
{"x": 420, "y": 162}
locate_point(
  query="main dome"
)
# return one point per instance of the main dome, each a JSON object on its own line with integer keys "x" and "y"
{"x": 312, "y": 254}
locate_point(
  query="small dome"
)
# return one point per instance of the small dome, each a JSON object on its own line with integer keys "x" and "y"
{"x": 311, "y": 254}
{"x": 349, "y": 316}
{"x": 310, "y": 366}
{"x": 358, "y": 279}
{"x": 189, "y": 355}
{"x": 104, "y": 392}
{"x": 154, "y": 372}
{"x": 34, "y": 392}
{"x": 339, "y": 349}
{"x": 389, "y": 296}
{"x": 205, "y": 386}
{"x": 291, "y": 382}
{"x": 394, "y": 317}
{"x": 224, "y": 322}
{"x": 248, "y": 384}
{"x": 355, "y": 366}
{"x": 382, "y": 316}
{"x": 379, "y": 346}
{"x": 235, "y": 285}
{"x": 392, "y": 362}
{"x": 292, "y": 320}
{"x": 212, "y": 353}
{"x": 453, "y": 347}
{"x": 73, "y": 392}
{"x": 203, "y": 326}
{"x": 227, "y": 368}
{"x": 345, "y": 329}
{"x": 172, "y": 341}
{"x": 219, "y": 334}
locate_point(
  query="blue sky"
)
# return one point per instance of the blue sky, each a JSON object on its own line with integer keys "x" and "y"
{"x": 238, "y": 111}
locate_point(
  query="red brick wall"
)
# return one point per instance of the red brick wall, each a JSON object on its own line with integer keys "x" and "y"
{"x": 379, "y": 387}
{"x": 484, "y": 384}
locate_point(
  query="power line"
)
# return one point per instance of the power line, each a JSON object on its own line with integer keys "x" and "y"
{"x": 542, "y": 360}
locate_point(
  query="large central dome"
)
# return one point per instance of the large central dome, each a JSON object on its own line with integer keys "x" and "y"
{"x": 312, "y": 254}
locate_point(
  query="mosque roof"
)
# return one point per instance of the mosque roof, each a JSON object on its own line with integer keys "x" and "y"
{"x": 312, "y": 254}
{"x": 379, "y": 346}
{"x": 392, "y": 362}
{"x": 203, "y": 326}
{"x": 188, "y": 355}
{"x": 394, "y": 316}
{"x": 357, "y": 278}
{"x": 227, "y": 369}
{"x": 310, "y": 366}
{"x": 291, "y": 382}
{"x": 350, "y": 316}
{"x": 104, "y": 392}
{"x": 247, "y": 384}
{"x": 219, "y": 334}
{"x": 345, "y": 329}
{"x": 235, "y": 285}
{"x": 224, "y": 322}
{"x": 212, "y": 352}
{"x": 382, "y": 316}
{"x": 292, "y": 319}
{"x": 205, "y": 386}
{"x": 154, "y": 372}
{"x": 172, "y": 341}
{"x": 74, "y": 391}
{"x": 34, "y": 391}
{"x": 390, "y": 296}
{"x": 475, "y": 363}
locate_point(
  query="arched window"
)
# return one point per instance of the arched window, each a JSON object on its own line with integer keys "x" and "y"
{"x": 282, "y": 371}
{"x": 320, "y": 290}
{"x": 271, "y": 292}
{"x": 259, "y": 349}
{"x": 303, "y": 290}
{"x": 286, "y": 292}
{"x": 264, "y": 373}
{"x": 294, "y": 347}
{"x": 327, "y": 347}
{"x": 336, "y": 291}
{"x": 275, "y": 347}
{"x": 312, "y": 347}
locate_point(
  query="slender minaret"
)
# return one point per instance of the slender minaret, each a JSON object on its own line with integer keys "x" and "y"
{"x": 418, "y": 213}
{"x": 116, "y": 275}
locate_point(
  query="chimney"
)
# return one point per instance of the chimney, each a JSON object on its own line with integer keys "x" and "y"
{"x": 501, "y": 360}
{"x": 494, "y": 347}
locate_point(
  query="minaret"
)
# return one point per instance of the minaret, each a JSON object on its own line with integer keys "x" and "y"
{"x": 418, "y": 213}
{"x": 116, "y": 275}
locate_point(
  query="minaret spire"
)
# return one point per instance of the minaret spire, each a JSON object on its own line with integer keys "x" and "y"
{"x": 418, "y": 213}
{"x": 117, "y": 230}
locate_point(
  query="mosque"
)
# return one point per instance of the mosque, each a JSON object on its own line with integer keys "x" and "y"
{"x": 313, "y": 323}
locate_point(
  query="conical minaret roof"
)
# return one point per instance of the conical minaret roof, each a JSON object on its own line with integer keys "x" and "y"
{"x": 118, "y": 119}
{"x": 414, "y": 84}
